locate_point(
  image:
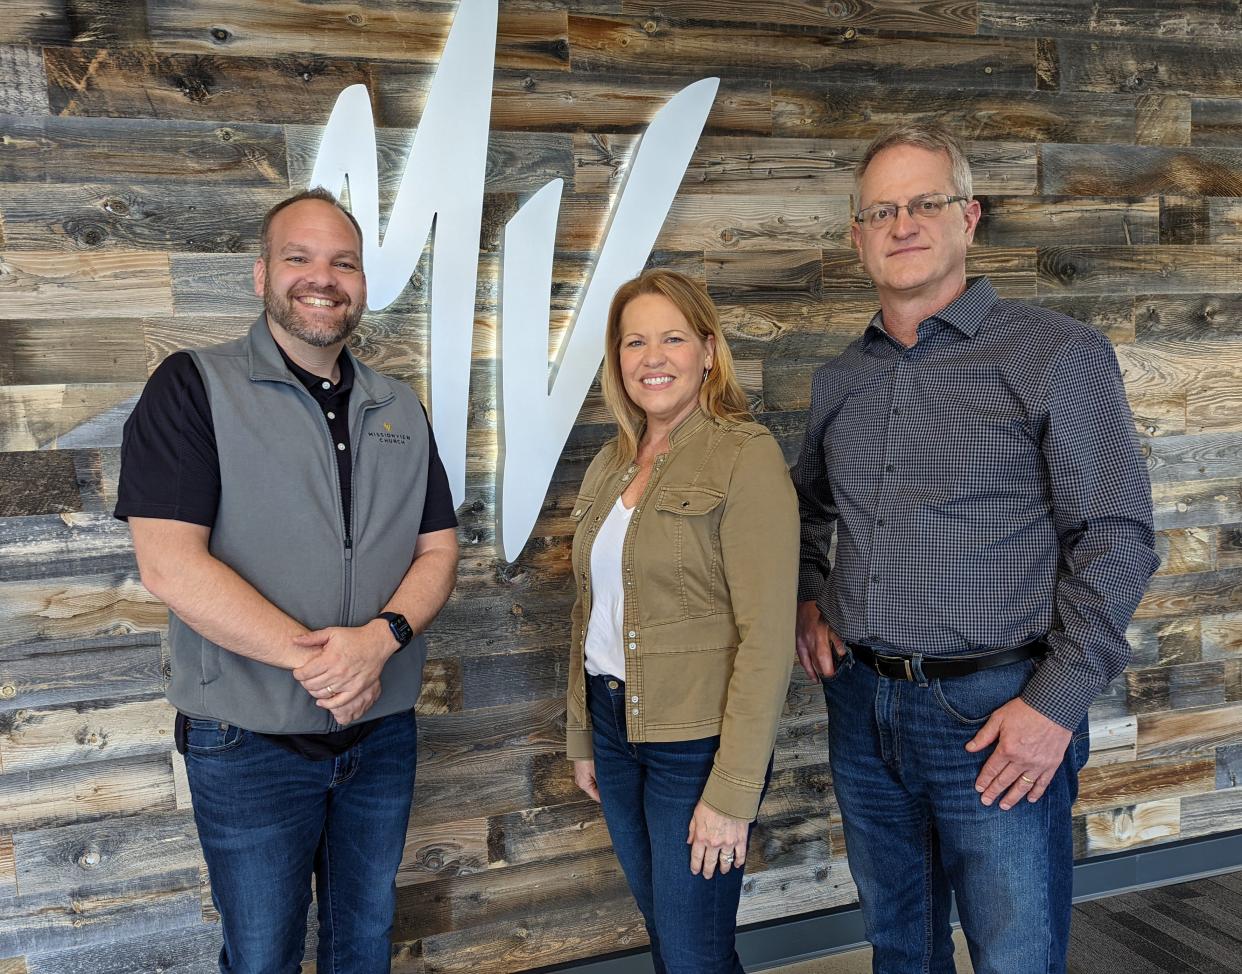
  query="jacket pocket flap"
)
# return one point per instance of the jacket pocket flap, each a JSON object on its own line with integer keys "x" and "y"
{"x": 689, "y": 500}
{"x": 581, "y": 506}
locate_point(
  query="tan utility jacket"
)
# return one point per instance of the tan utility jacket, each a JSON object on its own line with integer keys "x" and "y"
{"x": 710, "y": 567}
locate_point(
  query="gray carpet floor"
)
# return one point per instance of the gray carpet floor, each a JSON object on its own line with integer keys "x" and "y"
{"x": 1190, "y": 928}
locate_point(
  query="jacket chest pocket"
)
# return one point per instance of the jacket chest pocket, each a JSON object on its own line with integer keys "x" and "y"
{"x": 686, "y": 529}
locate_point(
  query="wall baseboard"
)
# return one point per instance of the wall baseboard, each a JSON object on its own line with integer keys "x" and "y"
{"x": 781, "y": 942}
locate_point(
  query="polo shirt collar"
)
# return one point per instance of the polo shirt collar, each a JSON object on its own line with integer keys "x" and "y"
{"x": 268, "y": 363}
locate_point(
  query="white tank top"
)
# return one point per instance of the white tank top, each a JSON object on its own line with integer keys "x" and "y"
{"x": 605, "y": 651}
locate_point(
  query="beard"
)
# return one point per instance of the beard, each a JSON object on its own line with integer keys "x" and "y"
{"x": 284, "y": 310}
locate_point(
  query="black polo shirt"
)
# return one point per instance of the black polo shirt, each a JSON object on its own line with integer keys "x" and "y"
{"x": 170, "y": 469}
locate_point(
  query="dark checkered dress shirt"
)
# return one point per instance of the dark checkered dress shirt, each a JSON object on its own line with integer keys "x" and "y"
{"x": 985, "y": 487}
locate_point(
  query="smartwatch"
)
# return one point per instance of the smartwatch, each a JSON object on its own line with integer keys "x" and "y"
{"x": 401, "y": 630}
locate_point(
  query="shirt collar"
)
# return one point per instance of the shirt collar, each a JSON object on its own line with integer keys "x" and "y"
{"x": 314, "y": 383}
{"x": 966, "y": 313}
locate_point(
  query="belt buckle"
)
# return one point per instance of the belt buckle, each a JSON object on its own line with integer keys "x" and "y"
{"x": 901, "y": 662}
{"x": 909, "y": 669}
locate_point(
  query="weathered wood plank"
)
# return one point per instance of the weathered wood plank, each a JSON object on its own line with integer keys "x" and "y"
{"x": 765, "y": 276}
{"x": 95, "y": 216}
{"x": 658, "y": 45}
{"x": 1219, "y": 811}
{"x": 1185, "y": 458}
{"x": 1185, "y": 550}
{"x": 1202, "y": 321}
{"x": 721, "y": 223}
{"x": 551, "y": 101}
{"x": 517, "y": 162}
{"x": 786, "y": 166}
{"x": 854, "y": 111}
{"x": 137, "y": 854}
{"x": 1133, "y": 825}
{"x": 1114, "y": 740}
{"x": 536, "y": 834}
{"x": 1182, "y": 687}
{"x": 1013, "y": 270}
{"x": 33, "y": 483}
{"x": 1203, "y": 67}
{"x": 508, "y": 895}
{"x": 1152, "y": 18}
{"x": 8, "y": 867}
{"x": 48, "y": 738}
{"x": 1139, "y": 269}
{"x": 52, "y": 150}
{"x": 1109, "y": 314}
{"x": 1038, "y": 221}
{"x": 69, "y": 416}
{"x": 443, "y": 850}
{"x": 1116, "y": 170}
{"x": 1178, "y": 733}
{"x": 1215, "y": 121}
{"x": 45, "y": 351}
{"x": 38, "y": 284}
{"x": 1132, "y": 783}
{"x": 583, "y": 928}
{"x": 85, "y": 792}
{"x": 22, "y": 87}
{"x": 45, "y": 674}
{"x": 1165, "y": 642}
{"x": 31, "y": 924}
{"x": 1222, "y": 635}
{"x": 85, "y": 606}
{"x": 932, "y": 16}
{"x": 1211, "y": 409}
{"x": 525, "y": 39}
{"x": 74, "y": 21}
{"x": 139, "y": 83}
{"x": 193, "y": 950}
{"x": 1163, "y": 120}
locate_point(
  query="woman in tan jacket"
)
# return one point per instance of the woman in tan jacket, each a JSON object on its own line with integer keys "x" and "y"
{"x": 685, "y": 559}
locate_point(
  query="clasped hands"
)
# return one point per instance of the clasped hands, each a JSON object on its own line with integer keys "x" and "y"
{"x": 343, "y": 672}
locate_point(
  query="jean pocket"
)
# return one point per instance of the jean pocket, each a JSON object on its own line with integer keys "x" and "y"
{"x": 844, "y": 665}
{"x": 206, "y": 737}
{"x": 1080, "y": 748}
{"x": 973, "y": 698}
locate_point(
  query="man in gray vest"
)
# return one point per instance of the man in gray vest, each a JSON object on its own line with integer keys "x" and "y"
{"x": 289, "y": 506}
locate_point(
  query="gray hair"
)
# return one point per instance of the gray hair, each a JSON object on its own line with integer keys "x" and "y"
{"x": 925, "y": 135}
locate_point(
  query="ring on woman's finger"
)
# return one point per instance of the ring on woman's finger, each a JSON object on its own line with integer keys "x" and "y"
{"x": 727, "y": 858}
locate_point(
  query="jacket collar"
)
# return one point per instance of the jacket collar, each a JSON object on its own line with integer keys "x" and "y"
{"x": 687, "y": 427}
{"x": 268, "y": 365}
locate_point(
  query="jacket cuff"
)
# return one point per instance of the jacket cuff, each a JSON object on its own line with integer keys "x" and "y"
{"x": 732, "y": 797}
{"x": 578, "y": 744}
{"x": 1061, "y": 697}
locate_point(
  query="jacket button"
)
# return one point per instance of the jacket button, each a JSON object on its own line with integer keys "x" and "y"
{"x": 632, "y": 634}
{"x": 633, "y": 645}
{"x": 634, "y": 699}
{"x": 634, "y": 711}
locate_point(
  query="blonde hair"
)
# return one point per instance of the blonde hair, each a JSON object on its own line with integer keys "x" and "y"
{"x": 720, "y": 395}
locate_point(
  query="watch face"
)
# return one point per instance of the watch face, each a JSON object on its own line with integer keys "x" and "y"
{"x": 401, "y": 630}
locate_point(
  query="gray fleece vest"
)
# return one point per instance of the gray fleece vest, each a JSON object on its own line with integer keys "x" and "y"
{"x": 280, "y": 526}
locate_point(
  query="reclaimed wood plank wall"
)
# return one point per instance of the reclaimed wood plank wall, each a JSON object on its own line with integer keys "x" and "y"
{"x": 140, "y": 143}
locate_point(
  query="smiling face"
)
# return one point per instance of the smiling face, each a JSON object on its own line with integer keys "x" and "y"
{"x": 662, "y": 359}
{"x": 311, "y": 278}
{"x": 911, "y": 257}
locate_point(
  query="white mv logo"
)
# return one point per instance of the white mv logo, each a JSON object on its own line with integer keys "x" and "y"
{"x": 443, "y": 184}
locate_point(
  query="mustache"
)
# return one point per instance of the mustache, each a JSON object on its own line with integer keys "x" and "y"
{"x": 331, "y": 293}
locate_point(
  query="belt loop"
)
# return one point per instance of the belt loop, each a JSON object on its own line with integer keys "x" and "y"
{"x": 914, "y": 667}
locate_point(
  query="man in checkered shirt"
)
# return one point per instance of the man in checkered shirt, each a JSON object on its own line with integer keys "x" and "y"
{"x": 977, "y": 463}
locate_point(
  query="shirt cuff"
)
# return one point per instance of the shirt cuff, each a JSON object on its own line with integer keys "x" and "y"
{"x": 810, "y": 584}
{"x": 1061, "y": 697}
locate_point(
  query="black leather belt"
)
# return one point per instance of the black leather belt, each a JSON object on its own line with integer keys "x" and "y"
{"x": 944, "y": 667}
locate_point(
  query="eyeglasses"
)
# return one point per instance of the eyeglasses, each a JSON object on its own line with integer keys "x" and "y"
{"x": 926, "y": 207}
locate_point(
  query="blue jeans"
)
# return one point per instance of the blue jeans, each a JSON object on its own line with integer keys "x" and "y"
{"x": 915, "y": 828}
{"x": 268, "y": 818}
{"x": 648, "y": 792}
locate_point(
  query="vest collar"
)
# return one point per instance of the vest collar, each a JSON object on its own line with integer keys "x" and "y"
{"x": 267, "y": 365}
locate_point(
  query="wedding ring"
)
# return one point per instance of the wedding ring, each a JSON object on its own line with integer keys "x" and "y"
{"x": 1027, "y": 779}
{"x": 728, "y": 860}
{"x": 331, "y": 692}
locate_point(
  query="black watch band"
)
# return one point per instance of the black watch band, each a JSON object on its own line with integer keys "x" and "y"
{"x": 402, "y": 632}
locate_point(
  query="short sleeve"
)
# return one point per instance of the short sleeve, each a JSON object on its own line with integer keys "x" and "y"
{"x": 438, "y": 511}
{"x": 169, "y": 464}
